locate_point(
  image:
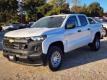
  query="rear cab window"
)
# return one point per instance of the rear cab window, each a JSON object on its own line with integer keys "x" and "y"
{"x": 83, "y": 20}
{"x": 91, "y": 21}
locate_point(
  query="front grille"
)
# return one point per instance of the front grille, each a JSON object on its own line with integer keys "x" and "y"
{"x": 20, "y": 46}
{"x": 13, "y": 43}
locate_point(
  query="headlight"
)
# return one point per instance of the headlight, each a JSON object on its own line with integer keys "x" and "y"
{"x": 39, "y": 38}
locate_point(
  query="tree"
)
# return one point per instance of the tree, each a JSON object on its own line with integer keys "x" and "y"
{"x": 32, "y": 9}
{"x": 8, "y": 9}
{"x": 57, "y": 3}
{"x": 36, "y": 9}
{"x": 95, "y": 9}
{"x": 9, "y": 5}
{"x": 76, "y": 9}
{"x": 44, "y": 9}
{"x": 59, "y": 6}
{"x": 33, "y": 4}
{"x": 54, "y": 11}
{"x": 65, "y": 8}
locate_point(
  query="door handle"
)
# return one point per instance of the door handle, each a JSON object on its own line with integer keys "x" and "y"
{"x": 79, "y": 30}
{"x": 88, "y": 29}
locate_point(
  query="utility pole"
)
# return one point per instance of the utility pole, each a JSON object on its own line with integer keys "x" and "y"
{"x": 20, "y": 9}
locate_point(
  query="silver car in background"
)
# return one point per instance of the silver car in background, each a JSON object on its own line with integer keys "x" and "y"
{"x": 103, "y": 21}
{"x": 97, "y": 21}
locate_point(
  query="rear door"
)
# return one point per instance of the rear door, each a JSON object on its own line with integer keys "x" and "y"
{"x": 85, "y": 30}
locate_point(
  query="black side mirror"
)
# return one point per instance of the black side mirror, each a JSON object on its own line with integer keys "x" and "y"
{"x": 70, "y": 26}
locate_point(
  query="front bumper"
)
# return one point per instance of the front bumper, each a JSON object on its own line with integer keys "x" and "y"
{"x": 40, "y": 57}
{"x": 29, "y": 51}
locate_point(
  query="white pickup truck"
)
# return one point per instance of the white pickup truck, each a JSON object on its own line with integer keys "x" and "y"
{"x": 50, "y": 38}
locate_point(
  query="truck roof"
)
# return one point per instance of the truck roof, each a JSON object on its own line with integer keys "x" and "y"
{"x": 64, "y": 15}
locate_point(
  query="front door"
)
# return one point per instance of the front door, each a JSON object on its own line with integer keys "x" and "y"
{"x": 72, "y": 36}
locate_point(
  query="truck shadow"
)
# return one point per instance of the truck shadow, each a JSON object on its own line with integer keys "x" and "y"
{"x": 83, "y": 56}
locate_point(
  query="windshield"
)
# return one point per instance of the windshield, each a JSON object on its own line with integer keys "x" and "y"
{"x": 49, "y": 22}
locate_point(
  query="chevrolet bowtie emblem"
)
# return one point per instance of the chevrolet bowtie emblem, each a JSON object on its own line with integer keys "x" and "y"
{"x": 11, "y": 40}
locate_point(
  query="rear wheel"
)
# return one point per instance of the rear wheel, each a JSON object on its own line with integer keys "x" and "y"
{"x": 55, "y": 58}
{"x": 96, "y": 43}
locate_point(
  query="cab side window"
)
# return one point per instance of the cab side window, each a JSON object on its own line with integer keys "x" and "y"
{"x": 83, "y": 20}
{"x": 72, "y": 20}
{"x": 91, "y": 21}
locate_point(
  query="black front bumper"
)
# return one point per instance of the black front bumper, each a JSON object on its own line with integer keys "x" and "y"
{"x": 25, "y": 56}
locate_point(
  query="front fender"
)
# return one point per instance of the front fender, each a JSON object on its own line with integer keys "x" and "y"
{"x": 46, "y": 43}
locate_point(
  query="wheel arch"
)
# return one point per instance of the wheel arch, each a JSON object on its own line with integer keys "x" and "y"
{"x": 98, "y": 34}
{"x": 57, "y": 43}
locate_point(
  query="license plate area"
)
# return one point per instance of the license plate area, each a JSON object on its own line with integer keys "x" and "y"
{"x": 12, "y": 58}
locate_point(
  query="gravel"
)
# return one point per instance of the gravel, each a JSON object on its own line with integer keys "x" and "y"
{"x": 80, "y": 64}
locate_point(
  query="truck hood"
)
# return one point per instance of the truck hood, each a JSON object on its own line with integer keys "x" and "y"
{"x": 28, "y": 32}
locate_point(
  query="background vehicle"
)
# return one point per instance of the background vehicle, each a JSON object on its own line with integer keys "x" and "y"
{"x": 103, "y": 21}
{"x": 29, "y": 24}
{"x": 50, "y": 38}
{"x": 98, "y": 21}
{"x": 14, "y": 26}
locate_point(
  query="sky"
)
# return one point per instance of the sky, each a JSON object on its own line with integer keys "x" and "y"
{"x": 103, "y": 3}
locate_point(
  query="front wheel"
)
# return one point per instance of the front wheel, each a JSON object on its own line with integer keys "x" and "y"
{"x": 96, "y": 43}
{"x": 55, "y": 58}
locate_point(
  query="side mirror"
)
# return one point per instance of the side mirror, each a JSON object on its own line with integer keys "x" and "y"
{"x": 70, "y": 26}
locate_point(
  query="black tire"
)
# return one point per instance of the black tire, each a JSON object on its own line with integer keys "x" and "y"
{"x": 51, "y": 52}
{"x": 95, "y": 46}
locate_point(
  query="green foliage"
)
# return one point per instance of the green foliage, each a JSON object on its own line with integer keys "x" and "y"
{"x": 43, "y": 10}
{"x": 54, "y": 11}
{"x": 93, "y": 9}
{"x": 33, "y": 4}
{"x": 8, "y": 9}
{"x": 57, "y": 2}
{"x": 36, "y": 9}
{"x": 65, "y": 8}
{"x": 8, "y": 5}
{"x": 59, "y": 10}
